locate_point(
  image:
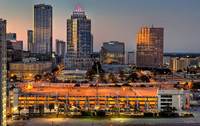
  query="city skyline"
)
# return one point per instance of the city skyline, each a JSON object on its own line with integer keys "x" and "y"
{"x": 178, "y": 36}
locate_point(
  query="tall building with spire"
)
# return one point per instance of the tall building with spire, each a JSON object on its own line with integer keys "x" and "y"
{"x": 3, "y": 72}
{"x": 79, "y": 40}
{"x": 150, "y": 47}
{"x": 43, "y": 29}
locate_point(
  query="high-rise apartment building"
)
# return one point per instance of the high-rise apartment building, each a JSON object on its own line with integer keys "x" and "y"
{"x": 30, "y": 40}
{"x": 3, "y": 72}
{"x": 79, "y": 41}
{"x": 150, "y": 47}
{"x": 112, "y": 52}
{"x": 43, "y": 29}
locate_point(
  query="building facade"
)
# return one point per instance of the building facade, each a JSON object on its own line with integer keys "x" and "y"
{"x": 173, "y": 99}
{"x": 112, "y": 52}
{"x": 60, "y": 47}
{"x": 11, "y": 36}
{"x": 43, "y": 29}
{"x": 179, "y": 64}
{"x": 125, "y": 99}
{"x": 3, "y": 73}
{"x": 17, "y": 45}
{"x": 30, "y": 40}
{"x": 150, "y": 47}
{"x": 28, "y": 70}
{"x": 131, "y": 58}
{"x": 79, "y": 41}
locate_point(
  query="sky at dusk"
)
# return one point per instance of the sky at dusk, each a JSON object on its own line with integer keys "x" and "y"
{"x": 115, "y": 20}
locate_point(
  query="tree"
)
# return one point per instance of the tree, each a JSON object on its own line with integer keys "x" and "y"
{"x": 179, "y": 71}
{"x": 132, "y": 77}
{"x": 121, "y": 75}
{"x": 30, "y": 110}
{"x": 145, "y": 78}
{"x": 51, "y": 106}
{"x": 90, "y": 74}
{"x": 19, "y": 109}
{"x": 41, "y": 109}
{"x": 13, "y": 78}
{"x": 102, "y": 78}
{"x": 95, "y": 69}
{"x": 112, "y": 78}
{"x": 38, "y": 77}
{"x": 55, "y": 70}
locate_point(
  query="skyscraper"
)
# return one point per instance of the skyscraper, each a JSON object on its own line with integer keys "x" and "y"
{"x": 79, "y": 40}
{"x": 43, "y": 29}
{"x": 150, "y": 47}
{"x": 30, "y": 40}
{"x": 3, "y": 72}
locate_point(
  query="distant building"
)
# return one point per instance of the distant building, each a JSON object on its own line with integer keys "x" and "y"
{"x": 195, "y": 62}
{"x": 131, "y": 58}
{"x": 17, "y": 45}
{"x": 3, "y": 73}
{"x": 179, "y": 64}
{"x": 11, "y": 36}
{"x": 166, "y": 61}
{"x": 112, "y": 52}
{"x": 79, "y": 41}
{"x": 72, "y": 75}
{"x": 96, "y": 56}
{"x": 43, "y": 29}
{"x": 15, "y": 52}
{"x": 30, "y": 40}
{"x": 60, "y": 47}
{"x": 150, "y": 47}
{"x": 28, "y": 70}
{"x": 114, "y": 68}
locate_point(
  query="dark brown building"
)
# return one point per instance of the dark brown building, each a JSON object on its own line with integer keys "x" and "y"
{"x": 150, "y": 47}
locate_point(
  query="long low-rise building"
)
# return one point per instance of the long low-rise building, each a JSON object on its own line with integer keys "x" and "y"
{"x": 125, "y": 99}
{"x": 27, "y": 70}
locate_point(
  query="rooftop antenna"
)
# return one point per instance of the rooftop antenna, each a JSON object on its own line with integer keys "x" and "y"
{"x": 78, "y": 8}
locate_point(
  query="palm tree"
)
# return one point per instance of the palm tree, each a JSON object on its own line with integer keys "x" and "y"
{"x": 51, "y": 106}
{"x": 112, "y": 78}
{"x": 37, "y": 77}
{"x": 132, "y": 77}
{"x": 102, "y": 78}
{"x": 145, "y": 78}
{"x": 19, "y": 109}
{"x": 121, "y": 75}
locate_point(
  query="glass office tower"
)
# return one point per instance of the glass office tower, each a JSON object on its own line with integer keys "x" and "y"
{"x": 43, "y": 29}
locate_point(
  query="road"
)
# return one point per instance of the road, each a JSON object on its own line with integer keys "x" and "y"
{"x": 194, "y": 121}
